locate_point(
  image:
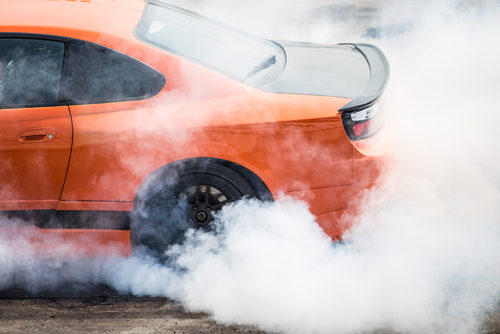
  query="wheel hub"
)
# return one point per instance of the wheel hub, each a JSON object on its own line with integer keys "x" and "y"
{"x": 201, "y": 216}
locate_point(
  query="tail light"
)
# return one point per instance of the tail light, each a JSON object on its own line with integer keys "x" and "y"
{"x": 363, "y": 123}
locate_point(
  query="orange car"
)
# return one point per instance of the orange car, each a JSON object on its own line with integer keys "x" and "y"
{"x": 117, "y": 107}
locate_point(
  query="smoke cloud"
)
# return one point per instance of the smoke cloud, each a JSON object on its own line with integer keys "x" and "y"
{"x": 426, "y": 262}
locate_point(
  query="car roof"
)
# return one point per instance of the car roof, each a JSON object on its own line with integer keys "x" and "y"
{"x": 83, "y": 19}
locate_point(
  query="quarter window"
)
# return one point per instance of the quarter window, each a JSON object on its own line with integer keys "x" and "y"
{"x": 30, "y": 71}
{"x": 95, "y": 74}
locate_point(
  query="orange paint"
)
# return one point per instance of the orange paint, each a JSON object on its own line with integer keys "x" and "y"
{"x": 34, "y": 169}
{"x": 295, "y": 144}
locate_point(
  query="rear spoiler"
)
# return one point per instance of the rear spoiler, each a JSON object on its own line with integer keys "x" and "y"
{"x": 379, "y": 75}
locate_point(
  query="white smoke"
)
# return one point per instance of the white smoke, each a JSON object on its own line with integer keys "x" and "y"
{"x": 428, "y": 262}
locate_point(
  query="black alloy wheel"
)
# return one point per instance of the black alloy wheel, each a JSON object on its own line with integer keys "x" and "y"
{"x": 188, "y": 202}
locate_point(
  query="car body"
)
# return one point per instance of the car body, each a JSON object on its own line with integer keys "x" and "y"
{"x": 124, "y": 102}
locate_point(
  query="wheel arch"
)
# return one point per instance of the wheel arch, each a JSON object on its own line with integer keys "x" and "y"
{"x": 177, "y": 167}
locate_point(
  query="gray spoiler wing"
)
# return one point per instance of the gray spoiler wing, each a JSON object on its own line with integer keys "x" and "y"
{"x": 379, "y": 76}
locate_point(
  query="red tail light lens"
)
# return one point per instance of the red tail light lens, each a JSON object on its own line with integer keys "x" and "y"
{"x": 363, "y": 123}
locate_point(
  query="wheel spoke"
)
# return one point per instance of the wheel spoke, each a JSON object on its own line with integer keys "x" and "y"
{"x": 182, "y": 227}
{"x": 219, "y": 205}
{"x": 202, "y": 224}
{"x": 207, "y": 190}
{"x": 197, "y": 194}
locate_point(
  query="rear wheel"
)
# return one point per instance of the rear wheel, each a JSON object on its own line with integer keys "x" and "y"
{"x": 171, "y": 207}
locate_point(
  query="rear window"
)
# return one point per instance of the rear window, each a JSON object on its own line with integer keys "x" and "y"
{"x": 95, "y": 74}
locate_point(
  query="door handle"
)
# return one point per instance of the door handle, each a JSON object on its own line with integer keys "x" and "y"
{"x": 36, "y": 135}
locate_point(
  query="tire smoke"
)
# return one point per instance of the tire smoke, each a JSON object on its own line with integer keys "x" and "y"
{"x": 427, "y": 262}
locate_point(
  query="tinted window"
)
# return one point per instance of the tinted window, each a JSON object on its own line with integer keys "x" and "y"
{"x": 30, "y": 71}
{"x": 95, "y": 74}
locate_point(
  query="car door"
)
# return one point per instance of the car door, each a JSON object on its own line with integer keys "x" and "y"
{"x": 104, "y": 89}
{"x": 35, "y": 126}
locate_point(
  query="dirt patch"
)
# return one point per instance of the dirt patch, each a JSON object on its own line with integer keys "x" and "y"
{"x": 92, "y": 315}
{"x": 129, "y": 314}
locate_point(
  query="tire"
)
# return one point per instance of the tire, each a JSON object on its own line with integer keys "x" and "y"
{"x": 183, "y": 197}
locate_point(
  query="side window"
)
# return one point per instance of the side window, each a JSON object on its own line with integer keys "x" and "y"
{"x": 95, "y": 74}
{"x": 30, "y": 71}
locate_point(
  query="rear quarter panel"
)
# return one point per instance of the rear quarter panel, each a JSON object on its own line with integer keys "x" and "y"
{"x": 278, "y": 137}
